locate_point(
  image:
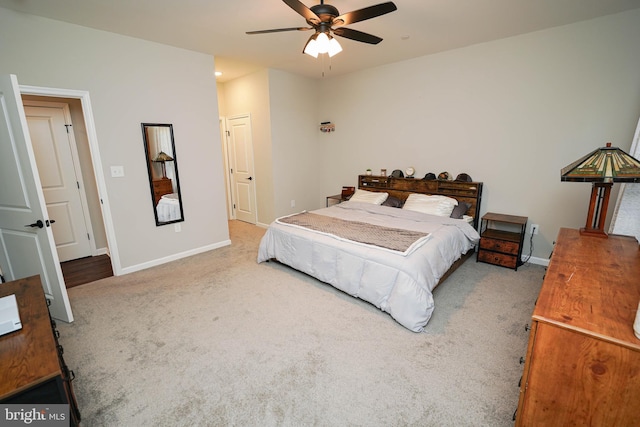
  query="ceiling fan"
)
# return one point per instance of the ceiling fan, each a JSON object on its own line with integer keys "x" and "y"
{"x": 326, "y": 20}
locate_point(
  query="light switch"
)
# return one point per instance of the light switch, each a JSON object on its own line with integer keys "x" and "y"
{"x": 117, "y": 171}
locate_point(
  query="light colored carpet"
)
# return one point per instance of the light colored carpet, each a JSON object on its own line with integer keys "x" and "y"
{"x": 217, "y": 339}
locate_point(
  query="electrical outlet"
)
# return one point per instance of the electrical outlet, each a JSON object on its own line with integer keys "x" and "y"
{"x": 534, "y": 229}
{"x": 293, "y": 203}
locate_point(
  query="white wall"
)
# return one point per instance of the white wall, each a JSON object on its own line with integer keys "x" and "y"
{"x": 510, "y": 113}
{"x": 284, "y": 118}
{"x": 295, "y": 143}
{"x": 131, "y": 81}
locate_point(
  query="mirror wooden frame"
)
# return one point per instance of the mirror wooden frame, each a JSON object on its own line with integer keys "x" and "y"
{"x": 162, "y": 165}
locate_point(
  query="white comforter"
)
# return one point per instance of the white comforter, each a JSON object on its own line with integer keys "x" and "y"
{"x": 397, "y": 284}
{"x": 168, "y": 208}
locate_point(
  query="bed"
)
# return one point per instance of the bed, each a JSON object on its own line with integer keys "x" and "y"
{"x": 168, "y": 208}
{"x": 392, "y": 258}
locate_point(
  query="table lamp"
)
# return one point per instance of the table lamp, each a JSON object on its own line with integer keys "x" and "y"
{"x": 602, "y": 168}
{"x": 161, "y": 158}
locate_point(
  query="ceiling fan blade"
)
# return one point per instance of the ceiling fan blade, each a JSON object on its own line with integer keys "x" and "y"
{"x": 277, "y": 30}
{"x": 356, "y": 35}
{"x": 365, "y": 13}
{"x": 303, "y": 10}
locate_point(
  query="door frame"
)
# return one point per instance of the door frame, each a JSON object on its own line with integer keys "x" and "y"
{"x": 94, "y": 150}
{"x": 224, "y": 138}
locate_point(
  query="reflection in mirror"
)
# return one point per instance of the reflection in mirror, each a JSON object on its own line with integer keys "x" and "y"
{"x": 163, "y": 172}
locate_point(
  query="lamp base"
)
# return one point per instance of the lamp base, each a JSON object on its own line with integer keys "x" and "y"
{"x": 593, "y": 232}
{"x": 598, "y": 206}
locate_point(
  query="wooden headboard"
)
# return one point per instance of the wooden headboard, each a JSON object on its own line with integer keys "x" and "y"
{"x": 470, "y": 192}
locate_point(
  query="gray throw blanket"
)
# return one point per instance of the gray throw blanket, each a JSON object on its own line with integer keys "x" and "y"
{"x": 395, "y": 239}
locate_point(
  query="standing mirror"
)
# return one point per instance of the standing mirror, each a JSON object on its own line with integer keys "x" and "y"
{"x": 163, "y": 172}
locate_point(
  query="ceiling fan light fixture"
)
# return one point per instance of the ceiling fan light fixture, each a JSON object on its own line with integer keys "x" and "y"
{"x": 334, "y": 47}
{"x": 323, "y": 17}
{"x": 312, "y": 47}
{"x": 322, "y": 43}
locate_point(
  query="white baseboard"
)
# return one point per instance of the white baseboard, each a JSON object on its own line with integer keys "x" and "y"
{"x": 539, "y": 261}
{"x": 101, "y": 251}
{"x": 173, "y": 257}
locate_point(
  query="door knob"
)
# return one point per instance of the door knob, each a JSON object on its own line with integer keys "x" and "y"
{"x": 250, "y": 178}
{"x": 38, "y": 224}
{"x": 50, "y": 221}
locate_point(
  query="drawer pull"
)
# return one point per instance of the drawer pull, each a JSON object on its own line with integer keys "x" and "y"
{"x": 527, "y": 327}
{"x": 522, "y": 359}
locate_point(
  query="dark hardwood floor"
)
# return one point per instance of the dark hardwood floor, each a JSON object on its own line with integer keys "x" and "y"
{"x": 86, "y": 270}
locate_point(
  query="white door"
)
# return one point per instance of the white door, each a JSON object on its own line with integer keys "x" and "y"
{"x": 242, "y": 173}
{"x": 26, "y": 239}
{"x": 60, "y": 177}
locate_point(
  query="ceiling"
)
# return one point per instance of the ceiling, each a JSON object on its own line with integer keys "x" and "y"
{"x": 216, "y": 27}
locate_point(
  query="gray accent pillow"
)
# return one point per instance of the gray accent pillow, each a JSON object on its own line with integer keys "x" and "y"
{"x": 394, "y": 202}
{"x": 460, "y": 210}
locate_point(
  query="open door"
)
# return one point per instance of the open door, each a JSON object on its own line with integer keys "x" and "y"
{"x": 27, "y": 246}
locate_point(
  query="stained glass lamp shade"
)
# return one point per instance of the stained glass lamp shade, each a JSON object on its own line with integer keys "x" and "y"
{"x": 601, "y": 167}
{"x": 161, "y": 158}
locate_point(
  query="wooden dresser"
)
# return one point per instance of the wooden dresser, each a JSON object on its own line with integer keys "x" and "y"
{"x": 32, "y": 369}
{"x": 582, "y": 366}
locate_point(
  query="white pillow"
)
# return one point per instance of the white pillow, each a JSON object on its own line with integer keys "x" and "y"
{"x": 369, "y": 197}
{"x": 432, "y": 205}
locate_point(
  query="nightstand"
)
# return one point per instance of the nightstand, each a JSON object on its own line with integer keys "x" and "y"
{"x": 336, "y": 198}
{"x": 501, "y": 239}
{"x": 161, "y": 187}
